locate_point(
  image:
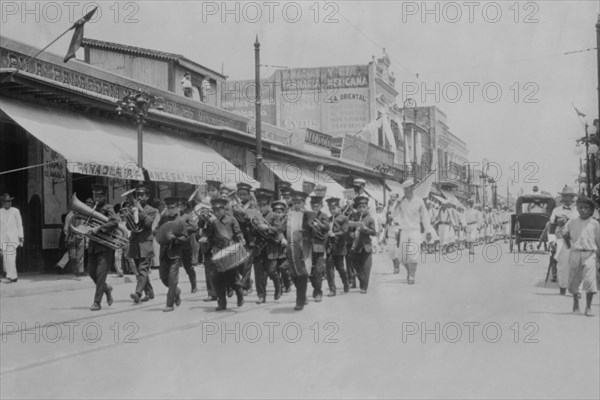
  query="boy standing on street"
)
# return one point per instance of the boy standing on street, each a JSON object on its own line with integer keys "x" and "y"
{"x": 582, "y": 236}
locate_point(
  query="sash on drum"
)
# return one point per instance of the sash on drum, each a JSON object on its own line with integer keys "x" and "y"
{"x": 230, "y": 257}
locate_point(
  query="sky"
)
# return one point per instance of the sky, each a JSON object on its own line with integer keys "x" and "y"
{"x": 497, "y": 69}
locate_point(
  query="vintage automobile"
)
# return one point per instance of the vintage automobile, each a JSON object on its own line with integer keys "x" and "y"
{"x": 529, "y": 221}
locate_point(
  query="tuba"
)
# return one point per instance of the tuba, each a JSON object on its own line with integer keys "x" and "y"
{"x": 91, "y": 219}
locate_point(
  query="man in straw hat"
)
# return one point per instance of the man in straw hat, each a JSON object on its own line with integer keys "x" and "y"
{"x": 559, "y": 217}
{"x": 11, "y": 236}
{"x": 411, "y": 213}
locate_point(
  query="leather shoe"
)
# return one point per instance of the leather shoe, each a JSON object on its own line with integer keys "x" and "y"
{"x": 261, "y": 300}
{"x": 318, "y": 298}
{"x": 245, "y": 292}
{"x": 411, "y": 281}
{"x": 563, "y": 291}
{"x": 9, "y": 280}
{"x": 109, "y": 298}
{"x": 178, "y": 297}
{"x": 353, "y": 285}
{"x": 331, "y": 294}
{"x": 168, "y": 308}
{"x": 240, "y": 301}
{"x": 346, "y": 289}
{"x": 220, "y": 308}
{"x": 299, "y": 307}
{"x": 135, "y": 297}
{"x": 287, "y": 289}
{"x": 396, "y": 270}
{"x": 194, "y": 289}
{"x": 363, "y": 291}
{"x": 95, "y": 307}
{"x": 588, "y": 312}
{"x": 147, "y": 297}
{"x": 210, "y": 298}
{"x": 306, "y": 302}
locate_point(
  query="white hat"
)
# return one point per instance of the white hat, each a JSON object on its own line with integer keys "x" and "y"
{"x": 359, "y": 181}
{"x": 407, "y": 183}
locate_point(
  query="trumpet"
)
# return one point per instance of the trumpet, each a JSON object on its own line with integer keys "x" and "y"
{"x": 129, "y": 213}
{"x": 204, "y": 212}
{"x": 348, "y": 210}
{"x": 91, "y": 219}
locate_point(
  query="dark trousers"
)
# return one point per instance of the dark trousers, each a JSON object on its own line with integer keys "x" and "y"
{"x": 209, "y": 274}
{"x": 186, "y": 259}
{"x": 301, "y": 283}
{"x": 245, "y": 271}
{"x": 362, "y": 264}
{"x": 283, "y": 273}
{"x": 350, "y": 268}
{"x": 223, "y": 280}
{"x": 169, "y": 275}
{"x": 335, "y": 263}
{"x": 317, "y": 272}
{"x": 99, "y": 263}
{"x": 143, "y": 266}
{"x": 263, "y": 269}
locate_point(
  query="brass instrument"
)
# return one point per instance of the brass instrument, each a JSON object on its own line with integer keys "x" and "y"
{"x": 91, "y": 219}
{"x": 357, "y": 234}
{"x": 204, "y": 212}
{"x": 129, "y": 217}
{"x": 318, "y": 228}
{"x": 348, "y": 210}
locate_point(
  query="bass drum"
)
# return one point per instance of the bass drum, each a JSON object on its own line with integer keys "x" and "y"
{"x": 230, "y": 257}
{"x": 299, "y": 248}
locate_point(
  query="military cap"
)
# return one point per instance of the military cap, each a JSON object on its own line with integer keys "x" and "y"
{"x": 298, "y": 195}
{"x": 320, "y": 190}
{"x": 215, "y": 184}
{"x": 98, "y": 188}
{"x": 142, "y": 188}
{"x": 359, "y": 181}
{"x": 316, "y": 199}
{"x": 284, "y": 184}
{"x": 171, "y": 201}
{"x": 407, "y": 183}
{"x": 279, "y": 204}
{"x": 333, "y": 202}
{"x": 358, "y": 200}
{"x": 229, "y": 187}
{"x": 244, "y": 186}
{"x": 286, "y": 191}
{"x": 263, "y": 194}
{"x": 219, "y": 203}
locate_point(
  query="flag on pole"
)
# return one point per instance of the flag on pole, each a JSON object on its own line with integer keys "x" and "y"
{"x": 78, "y": 34}
{"x": 579, "y": 113}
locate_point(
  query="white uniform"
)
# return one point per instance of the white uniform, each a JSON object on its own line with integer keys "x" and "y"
{"x": 11, "y": 232}
{"x": 409, "y": 215}
{"x": 562, "y": 253}
{"x": 446, "y": 226}
{"x": 472, "y": 219}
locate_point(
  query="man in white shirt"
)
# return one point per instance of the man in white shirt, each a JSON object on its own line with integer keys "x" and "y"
{"x": 410, "y": 213}
{"x": 11, "y": 236}
{"x": 559, "y": 217}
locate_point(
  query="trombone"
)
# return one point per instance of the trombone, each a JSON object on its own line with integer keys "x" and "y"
{"x": 91, "y": 219}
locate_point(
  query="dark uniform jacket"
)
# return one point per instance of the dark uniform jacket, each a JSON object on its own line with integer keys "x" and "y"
{"x": 364, "y": 239}
{"x": 140, "y": 243}
{"x": 109, "y": 227}
{"x": 191, "y": 228}
{"x": 175, "y": 249}
{"x": 319, "y": 226}
{"x": 337, "y": 244}
{"x": 222, "y": 233}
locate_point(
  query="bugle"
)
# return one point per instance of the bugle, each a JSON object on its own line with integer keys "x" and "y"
{"x": 91, "y": 219}
{"x": 129, "y": 213}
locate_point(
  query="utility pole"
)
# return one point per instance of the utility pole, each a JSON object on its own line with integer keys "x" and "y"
{"x": 258, "y": 99}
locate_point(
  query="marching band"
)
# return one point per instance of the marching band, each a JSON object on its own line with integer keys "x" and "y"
{"x": 238, "y": 230}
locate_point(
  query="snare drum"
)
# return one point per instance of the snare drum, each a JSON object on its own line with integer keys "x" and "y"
{"x": 230, "y": 257}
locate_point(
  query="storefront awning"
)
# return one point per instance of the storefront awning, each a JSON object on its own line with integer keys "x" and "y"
{"x": 95, "y": 146}
{"x": 297, "y": 174}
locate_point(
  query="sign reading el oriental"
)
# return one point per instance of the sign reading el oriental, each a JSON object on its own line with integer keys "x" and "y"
{"x": 334, "y": 100}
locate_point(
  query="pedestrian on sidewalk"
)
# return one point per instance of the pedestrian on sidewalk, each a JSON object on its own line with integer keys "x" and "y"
{"x": 11, "y": 236}
{"x": 100, "y": 256}
{"x": 582, "y": 237}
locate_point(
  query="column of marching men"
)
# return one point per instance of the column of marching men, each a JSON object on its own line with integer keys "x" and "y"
{"x": 284, "y": 241}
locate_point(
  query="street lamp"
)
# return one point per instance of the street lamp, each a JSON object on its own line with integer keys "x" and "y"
{"x": 137, "y": 104}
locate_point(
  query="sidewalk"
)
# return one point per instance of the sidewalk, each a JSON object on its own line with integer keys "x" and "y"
{"x": 35, "y": 283}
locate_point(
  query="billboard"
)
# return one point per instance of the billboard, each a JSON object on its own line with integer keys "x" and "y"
{"x": 239, "y": 97}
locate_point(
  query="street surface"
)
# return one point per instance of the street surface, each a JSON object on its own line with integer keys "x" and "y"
{"x": 466, "y": 329}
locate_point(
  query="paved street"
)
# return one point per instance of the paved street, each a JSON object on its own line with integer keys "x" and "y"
{"x": 493, "y": 331}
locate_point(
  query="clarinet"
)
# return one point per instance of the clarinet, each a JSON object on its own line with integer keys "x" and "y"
{"x": 357, "y": 234}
